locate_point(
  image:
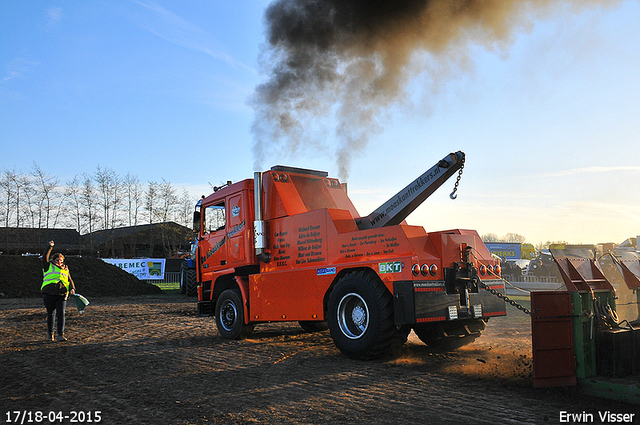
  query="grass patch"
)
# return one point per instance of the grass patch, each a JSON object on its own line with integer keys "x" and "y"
{"x": 171, "y": 291}
{"x": 165, "y": 286}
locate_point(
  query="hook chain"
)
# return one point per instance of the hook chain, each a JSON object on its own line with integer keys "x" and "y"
{"x": 453, "y": 194}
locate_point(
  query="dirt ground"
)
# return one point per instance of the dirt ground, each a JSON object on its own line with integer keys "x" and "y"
{"x": 150, "y": 360}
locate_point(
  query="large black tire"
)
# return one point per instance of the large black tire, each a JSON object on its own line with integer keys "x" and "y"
{"x": 230, "y": 316}
{"x": 191, "y": 284}
{"x": 448, "y": 336}
{"x": 183, "y": 277}
{"x": 360, "y": 317}
{"x": 313, "y": 326}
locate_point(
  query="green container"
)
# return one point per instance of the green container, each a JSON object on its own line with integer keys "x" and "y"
{"x": 585, "y": 328}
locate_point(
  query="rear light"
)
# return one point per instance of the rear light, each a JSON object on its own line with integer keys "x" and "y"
{"x": 453, "y": 312}
{"x": 477, "y": 311}
{"x": 498, "y": 270}
{"x": 424, "y": 270}
{"x": 483, "y": 270}
{"x": 280, "y": 177}
{"x": 490, "y": 269}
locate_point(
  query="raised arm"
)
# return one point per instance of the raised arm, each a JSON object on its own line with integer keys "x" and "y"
{"x": 45, "y": 256}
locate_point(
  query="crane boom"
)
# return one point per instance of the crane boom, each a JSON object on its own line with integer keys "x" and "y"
{"x": 400, "y": 205}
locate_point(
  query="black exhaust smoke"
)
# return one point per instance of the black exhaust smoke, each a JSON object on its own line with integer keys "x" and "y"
{"x": 349, "y": 60}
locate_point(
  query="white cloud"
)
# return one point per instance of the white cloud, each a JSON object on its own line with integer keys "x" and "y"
{"x": 19, "y": 68}
{"x": 586, "y": 170}
{"x": 174, "y": 29}
{"x": 54, "y": 14}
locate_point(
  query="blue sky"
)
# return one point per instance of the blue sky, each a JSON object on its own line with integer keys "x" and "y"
{"x": 548, "y": 119}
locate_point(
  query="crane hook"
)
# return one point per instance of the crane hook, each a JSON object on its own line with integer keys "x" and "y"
{"x": 453, "y": 194}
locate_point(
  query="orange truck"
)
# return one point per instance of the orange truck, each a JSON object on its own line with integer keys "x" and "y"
{"x": 288, "y": 245}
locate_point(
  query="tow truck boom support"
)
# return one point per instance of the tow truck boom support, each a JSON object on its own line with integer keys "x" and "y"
{"x": 400, "y": 205}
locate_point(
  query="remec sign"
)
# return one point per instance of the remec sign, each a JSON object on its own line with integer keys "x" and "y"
{"x": 142, "y": 268}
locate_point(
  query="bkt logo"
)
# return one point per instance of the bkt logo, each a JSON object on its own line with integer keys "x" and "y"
{"x": 391, "y": 267}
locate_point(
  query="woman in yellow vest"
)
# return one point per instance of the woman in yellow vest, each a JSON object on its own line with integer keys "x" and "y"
{"x": 56, "y": 287}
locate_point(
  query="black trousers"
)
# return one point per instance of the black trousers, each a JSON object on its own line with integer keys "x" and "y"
{"x": 57, "y": 303}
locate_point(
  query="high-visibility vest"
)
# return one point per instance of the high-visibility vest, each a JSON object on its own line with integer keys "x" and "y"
{"x": 55, "y": 274}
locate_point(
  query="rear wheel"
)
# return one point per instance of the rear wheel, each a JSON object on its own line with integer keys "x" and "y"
{"x": 230, "y": 316}
{"x": 447, "y": 336}
{"x": 360, "y": 317}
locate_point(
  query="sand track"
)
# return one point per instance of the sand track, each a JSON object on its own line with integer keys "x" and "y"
{"x": 151, "y": 360}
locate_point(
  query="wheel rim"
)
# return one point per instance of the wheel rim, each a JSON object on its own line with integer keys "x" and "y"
{"x": 353, "y": 316}
{"x": 228, "y": 315}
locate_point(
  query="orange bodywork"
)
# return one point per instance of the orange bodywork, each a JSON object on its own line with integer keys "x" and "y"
{"x": 313, "y": 238}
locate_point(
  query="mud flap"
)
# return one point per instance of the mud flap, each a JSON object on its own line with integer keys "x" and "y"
{"x": 403, "y": 303}
{"x": 428, "y": 302}
{"x": 205, "y": 308}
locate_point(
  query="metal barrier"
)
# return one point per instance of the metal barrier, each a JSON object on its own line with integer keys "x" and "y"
{"x": 171, "y": 281}
{"x": 530, "y": 279}
{"x": 522, "y": 285}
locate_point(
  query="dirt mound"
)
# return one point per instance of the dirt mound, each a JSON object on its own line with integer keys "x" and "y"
{"x": 21, "y": 277}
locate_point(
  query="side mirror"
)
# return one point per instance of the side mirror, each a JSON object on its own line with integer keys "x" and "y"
{"x": 197, "y": 219}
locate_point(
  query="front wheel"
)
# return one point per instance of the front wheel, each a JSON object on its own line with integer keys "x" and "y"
{"x": 360, "y": 317}
{"x": 230, "y": 316}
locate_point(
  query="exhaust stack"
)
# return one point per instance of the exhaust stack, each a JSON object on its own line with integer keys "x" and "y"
{"x": 259, "y": 234}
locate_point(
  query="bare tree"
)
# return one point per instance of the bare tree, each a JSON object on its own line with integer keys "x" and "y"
{"x": 88, "y": 202}
{"x": 7, "y": 184}
{"x": 509, "y": 238}
{"x": 44, "y": 186}
{"x": 73, "y": 193}
{"x": 490, "y": 237}
{"x": 133, "y": 197}
{"x": 150, "y": 200}
{"x": 514, "y": 237}
{"x": 167, "y": 200}
{"x": 545, "y": 245}
{"x": 59, "y": 209}
{"x": 149, "y": 204}
{"x": 25, "y": 207}
{"x": 108, "y": 190}
{"x": 18, "y": 192}
{"x": 186, "y": 208}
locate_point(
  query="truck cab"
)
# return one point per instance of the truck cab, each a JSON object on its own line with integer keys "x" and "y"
{"x": 224, "y": 224}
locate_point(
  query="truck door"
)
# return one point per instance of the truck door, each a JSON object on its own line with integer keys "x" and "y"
{"x": 236, "y": 230}
{"x": 213, "y": 250}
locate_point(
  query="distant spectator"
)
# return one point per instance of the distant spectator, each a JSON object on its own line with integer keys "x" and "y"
{"x": 56, "y": 287}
